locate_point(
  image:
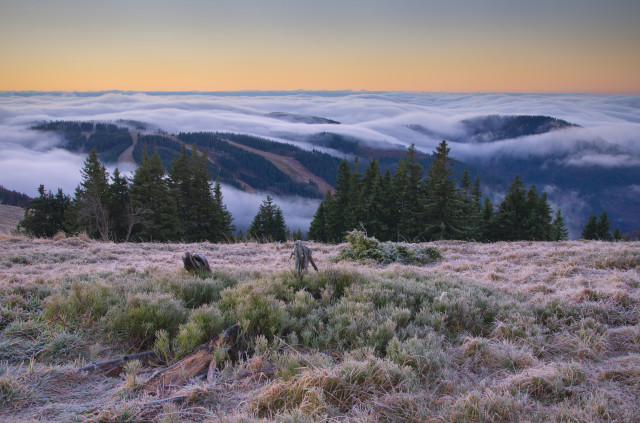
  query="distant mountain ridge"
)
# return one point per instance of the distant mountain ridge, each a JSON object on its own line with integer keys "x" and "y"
{"x": 578, "y": 178}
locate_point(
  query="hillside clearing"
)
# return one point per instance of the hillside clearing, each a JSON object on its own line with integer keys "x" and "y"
{"x": 491, "y": 332}
{"x": 10, "y": 216}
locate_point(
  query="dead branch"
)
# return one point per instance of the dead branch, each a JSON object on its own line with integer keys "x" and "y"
{"x": 114, "y": 367}
{"x": 181, "y": 398}
{"x": 192, "y": 365}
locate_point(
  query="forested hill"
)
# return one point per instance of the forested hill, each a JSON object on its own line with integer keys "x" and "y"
{"x": 13, "y": 198}
{"x": 246, "y": 162}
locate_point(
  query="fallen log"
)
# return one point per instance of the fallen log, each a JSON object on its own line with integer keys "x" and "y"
{"x": 181, "y": 398}
{"x": 114, "y": 367}
{"x": 192, "y": 365}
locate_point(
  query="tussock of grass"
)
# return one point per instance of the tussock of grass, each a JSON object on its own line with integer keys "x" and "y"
{"x": 327, "y": 392}
{"x": 549, "y": 382}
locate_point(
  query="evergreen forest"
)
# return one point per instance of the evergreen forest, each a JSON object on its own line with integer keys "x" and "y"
{"x": 411, "y": 205}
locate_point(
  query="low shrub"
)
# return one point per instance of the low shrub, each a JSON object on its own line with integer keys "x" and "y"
{"x": 363, "y": 248}
{"x": 82, "y": 305}
{"x": 137, "y": 321}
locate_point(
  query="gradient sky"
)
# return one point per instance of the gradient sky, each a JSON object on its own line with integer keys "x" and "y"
{"x": 409, "y": 45}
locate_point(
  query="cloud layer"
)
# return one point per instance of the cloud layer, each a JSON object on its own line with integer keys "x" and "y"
{"x": 30, "y": 158}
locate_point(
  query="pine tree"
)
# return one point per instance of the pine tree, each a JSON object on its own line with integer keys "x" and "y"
{"x": 318, "y": 229}
{"x": 590, "y": 230}
{"x": 268, "y": 225}
{"x": 559, "y": 230}
{"x": 487, "y": 221}
{"x": 603, "y": 228}
{"x": 92, "y": 197}
{"x": 119, "y": 206}
{"x": 471, "y": 206}
{"x": 45, "y": 215}
{"x": 443, "y": 203}
{"x": 153, "y": 202}
{"x": 224, "y": 220}
{"x": 512, "y": 212}
{"x": 617, "y": 235}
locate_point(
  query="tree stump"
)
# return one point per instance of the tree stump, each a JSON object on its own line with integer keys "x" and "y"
{"x": 196, "y": 263}
{"x": 303, "y": 258}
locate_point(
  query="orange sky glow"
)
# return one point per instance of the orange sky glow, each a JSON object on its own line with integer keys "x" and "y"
{"x": 461, "y": 46}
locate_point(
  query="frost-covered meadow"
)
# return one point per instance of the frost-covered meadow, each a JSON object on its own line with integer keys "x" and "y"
{"x": 525, "y": 331}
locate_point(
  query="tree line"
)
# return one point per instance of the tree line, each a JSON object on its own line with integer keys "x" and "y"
{"x": 410, "y": 205}
{"x": 154, "y": 205}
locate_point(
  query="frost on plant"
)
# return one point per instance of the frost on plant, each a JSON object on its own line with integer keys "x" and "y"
{"x": 362, "y": 247}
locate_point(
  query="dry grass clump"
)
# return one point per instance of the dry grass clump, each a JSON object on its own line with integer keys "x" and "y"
{"x": 549, "y": 382}
{"x": 334, "y": 391}
{"x": 483, "y": 354}
{"x": 486, "y": 406}
{"x": 626, "y": 259}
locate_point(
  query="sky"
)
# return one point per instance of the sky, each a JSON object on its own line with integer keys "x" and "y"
{"x": 548, "y": 46}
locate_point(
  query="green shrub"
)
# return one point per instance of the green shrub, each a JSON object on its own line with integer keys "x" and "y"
{"x": 362, "y": 248}
{"x": 138, "y": 320}
{"x": 425, "y": 355}
{"x": 195, "y": 291}
{"x": 190, "y": 335}
{"x": 83, "y": 304}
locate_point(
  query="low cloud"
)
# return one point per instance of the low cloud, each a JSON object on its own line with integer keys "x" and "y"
{"x": 610, "y": 135}
{"x": 298, "y": 212}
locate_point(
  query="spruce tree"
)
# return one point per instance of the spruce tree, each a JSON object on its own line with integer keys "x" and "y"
{"x": 318, "y": 229}
{"x": 92, "y": 197}
{"x": 487, "y": 221}
{"x": 268, "y": 225}
{"x": 443, "y": 203}
{"x": 617, "y": 235}
{"x": 224, "y": 220}
{"x": 590, "y": 230}
{"x": 512, "y": 212}
{"x": 559, "y": 230}
{"x": 471, "y": 206}
{"x": 603, "y": 227}
{"x": 119, "y": 206}
{"x": 45, "y": 215}
{"x": 153, "y": 202}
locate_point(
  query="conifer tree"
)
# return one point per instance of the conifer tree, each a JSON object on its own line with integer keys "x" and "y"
{"x": 268, "y": 224}
{"x": 92, "y": 197}
{"x": 318, "y": 229}
{"x": 224, "y": 220}
{"x": 512, "y": 212}
{"x": 559, "y": 230}
{"x": 119, "y": 206}
{"x": 443, "y": 204}
{"x": 590, "y": 230}
{"x": 487, "y": 221}
{"x": 45, "y": 215}
{"x": 153, "y": 202}
{"x": 617, "y": 235}
{"x": 471, "y": 206}
{"x": 603, "y": 227}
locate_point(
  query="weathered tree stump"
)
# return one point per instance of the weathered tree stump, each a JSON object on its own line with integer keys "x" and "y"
{"x": 196, "y": 263}
{"x": 303, "y": 257}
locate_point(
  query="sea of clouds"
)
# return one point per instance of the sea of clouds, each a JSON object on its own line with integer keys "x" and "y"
{"x": 29, "y": 158}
